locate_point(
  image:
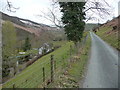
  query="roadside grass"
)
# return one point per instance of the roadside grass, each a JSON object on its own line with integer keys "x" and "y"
{"x": 73, "y": 71}
{"x": 32, "y": 76}
{"x": 78, "y": 68}
{"x": 110, "y": 36}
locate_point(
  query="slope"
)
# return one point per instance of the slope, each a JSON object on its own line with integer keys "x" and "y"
{"x": 109, "y": 32}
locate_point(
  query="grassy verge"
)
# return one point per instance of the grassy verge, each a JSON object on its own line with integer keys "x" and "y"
{"x": 73, "y": 71}
{"x": 109, "y": 35}
{"x": 32, "y": 76}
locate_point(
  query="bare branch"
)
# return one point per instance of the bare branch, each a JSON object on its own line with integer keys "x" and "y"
{"x": 90, "y": 18}
{"x": 102, "y": 8}
{"x": 92, "y": 7}
{"x": 10, "y": 7}
{"x": 52, "y": 15}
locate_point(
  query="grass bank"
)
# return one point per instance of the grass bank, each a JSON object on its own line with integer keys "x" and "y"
{"x": 73, "y": 71}
{"x": 109, "y": 35}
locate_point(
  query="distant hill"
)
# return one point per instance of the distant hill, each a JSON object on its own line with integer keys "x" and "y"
{"x": 18, "y": 20}
{"x": 37, "y": 32}
{"x": 90, "y": 26}
{"x": 26, "y": 24}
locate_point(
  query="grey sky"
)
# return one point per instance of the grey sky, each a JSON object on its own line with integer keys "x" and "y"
{"x": 30, "y": 8}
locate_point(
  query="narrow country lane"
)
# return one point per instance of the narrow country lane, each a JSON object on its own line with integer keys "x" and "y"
{"x": 102, "y": 69}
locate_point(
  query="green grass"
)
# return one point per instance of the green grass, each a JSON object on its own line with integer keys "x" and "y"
{"x": 30, "y": 52}
{"x": 77, "y": 69}
{"x": 31, "y": 77}
{"x": 70, "y": 76}
{"x": 111, "y": 38}
{"x": 58, "y": 43}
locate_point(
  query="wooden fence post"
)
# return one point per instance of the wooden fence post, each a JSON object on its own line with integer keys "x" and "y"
{"x": 43, "y": 69}
{"x": 43, "y": 74}
{"x": 13, "y": 86}
{"x": 52, "y": 69}
{"x": 70, "y": 50}
{"x": 54, "y": 64}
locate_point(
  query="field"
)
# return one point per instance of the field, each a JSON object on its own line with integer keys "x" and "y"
{"x": 58, "y": 43}
{"x": 32, "y": 76}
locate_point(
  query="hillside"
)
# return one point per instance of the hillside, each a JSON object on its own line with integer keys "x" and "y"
{"x": 27, "y": 25}
{"x": 33, "y": 30}
{"x": 109, "y": 32}
{"x": 36, "y": 35}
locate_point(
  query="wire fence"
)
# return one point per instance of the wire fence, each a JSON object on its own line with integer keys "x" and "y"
{"x": 27, "y": 76}
{"x": 44, "y": 72}
{"x": 38, "y": 77}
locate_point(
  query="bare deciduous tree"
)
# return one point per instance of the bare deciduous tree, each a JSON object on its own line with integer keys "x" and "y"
{"x": 92, "y": 8}
{"x": 53, "y": 14}
{"x": 99, "y": 8}
{"x": 9, "y": 6}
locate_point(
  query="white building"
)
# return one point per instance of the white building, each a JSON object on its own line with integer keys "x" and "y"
{"x": 45, "y": 46}
{"x": 40, "y": 50}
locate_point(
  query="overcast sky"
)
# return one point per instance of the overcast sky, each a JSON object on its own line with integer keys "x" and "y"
{"x": 29, "y": 9}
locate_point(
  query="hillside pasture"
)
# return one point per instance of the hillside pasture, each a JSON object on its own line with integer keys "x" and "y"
{"x": 32, "y": 76}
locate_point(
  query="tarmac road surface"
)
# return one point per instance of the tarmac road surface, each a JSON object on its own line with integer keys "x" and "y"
{"x": 102, "y": 70}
